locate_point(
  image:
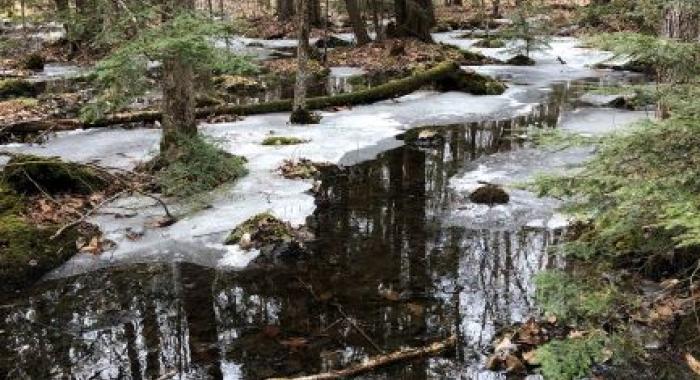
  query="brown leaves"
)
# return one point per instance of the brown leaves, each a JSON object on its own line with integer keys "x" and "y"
{"x": 693, "y": 363}
{"x": 298, "y": 169}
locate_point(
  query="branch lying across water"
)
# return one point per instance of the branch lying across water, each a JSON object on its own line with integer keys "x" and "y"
{"x": 375, "y": 362}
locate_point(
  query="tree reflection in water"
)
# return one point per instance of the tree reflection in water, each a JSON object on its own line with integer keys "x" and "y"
{"x": 379, "y": 226}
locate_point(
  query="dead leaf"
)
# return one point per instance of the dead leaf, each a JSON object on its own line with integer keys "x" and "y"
{"x": 514, "y": 365}
{"x": 576, "y": 334}
{"x": 505, "y": 346}
{"x": 94, "y": 247}
{"x": 693, "y": 363}
{"x": 530, "y": 357}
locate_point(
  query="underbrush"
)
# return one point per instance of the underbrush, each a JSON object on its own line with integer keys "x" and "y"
{"x": 638, "y": 219}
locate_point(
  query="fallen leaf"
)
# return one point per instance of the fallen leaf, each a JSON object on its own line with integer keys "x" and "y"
{"x": 530, "y": 357}
{"x": 693, "y": 363}
{"x": 514, "y": 365}
{"x": 575, "y": 334}
{"x": 271, "y": 331}
{"x": 505, "y": 345}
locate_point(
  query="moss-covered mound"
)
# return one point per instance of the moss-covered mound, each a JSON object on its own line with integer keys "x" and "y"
{"x": 303, "y": 116}
{"x": 34, "y": 61}
{"x": 27, "y": 251}
{"x": 490, "y": 42}
{"x": 16, "y": 88}
{"x": 266, "y": 231}
{"x": 31, "y": 175}
{"x": 521, "y": 60}
{"x": 490, "y": 195}
{"x": 283, "y": 140}
{"x": 470, "y": 82}
{"x": 332, "y": 42}
{"x": 298, "y": 169}
{"x": 474, "y": 58}
{"x": 237, "y": 83}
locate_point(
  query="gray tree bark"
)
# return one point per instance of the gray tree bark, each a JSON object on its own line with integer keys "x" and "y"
{"x": 682, "y": 21}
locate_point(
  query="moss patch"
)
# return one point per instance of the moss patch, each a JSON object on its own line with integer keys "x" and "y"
{"x": 264, "y": 230}
{"x": 31, "y": 175}
{"x": 15, "y": 88}
{"x": 26, "y": 249}
{"x": 283, "y": 140}
{"x": 298, "y": 169}
{"x": 470, "y": 82}
{"x": 238, "y": 84}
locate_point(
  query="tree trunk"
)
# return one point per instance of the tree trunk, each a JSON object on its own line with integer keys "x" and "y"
{"x": 285, "y": 10}
{"x": 377, "y": 20}
{"x": 178, "y": 108}
{"x": 61, "y": 6}
{"x": 681, "y": 21}
{"x": 299, "y": 110}
{"x": 358, "y": 23}
{"x": 496, "y": 10}
{"x": 414, "y": 18}
{"x": 315, "y": 12}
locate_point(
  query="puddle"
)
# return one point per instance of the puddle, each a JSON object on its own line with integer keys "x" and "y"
{"x": 398, "y": 249}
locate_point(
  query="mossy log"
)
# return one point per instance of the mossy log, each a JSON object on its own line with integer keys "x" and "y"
{"x": 29, "y": 175}
{"x": 391, "y": 89}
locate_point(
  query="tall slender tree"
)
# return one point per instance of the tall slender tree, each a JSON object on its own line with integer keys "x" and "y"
{"x": 300, "y": 114}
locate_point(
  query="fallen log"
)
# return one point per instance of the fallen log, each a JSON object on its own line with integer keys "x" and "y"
{"x": 380, "y": 361}
{"x": 446, "y": 71}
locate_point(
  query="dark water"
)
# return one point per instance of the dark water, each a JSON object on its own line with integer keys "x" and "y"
{"x": 384, "y": 272}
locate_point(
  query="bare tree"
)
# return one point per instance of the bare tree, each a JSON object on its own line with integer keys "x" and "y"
{"x": 300, "y": 114}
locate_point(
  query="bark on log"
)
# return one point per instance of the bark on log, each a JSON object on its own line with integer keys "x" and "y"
{"x": 381, "y": 360}
{"x": 392, "y": 89}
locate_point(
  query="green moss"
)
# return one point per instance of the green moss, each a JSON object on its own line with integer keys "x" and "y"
{"x": 470, "y": 82}
{"x": 27, "y": 251}
{"x": 263, "y": 229}
{"x": 283, "y": 140}
{"x": 29, "y": 175}
{"x": 14, "y": 88}
{"x": 303, "y": 116}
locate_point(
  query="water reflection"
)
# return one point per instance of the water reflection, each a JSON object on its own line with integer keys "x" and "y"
{"x": 383, "y": 259}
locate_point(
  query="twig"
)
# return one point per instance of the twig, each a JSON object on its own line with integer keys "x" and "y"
{"x": 358, "y": 328}
{"x": 86, "y": 215}
{"x": 381, "y": 360}
{"x": 41, "y": 189}
{"x": 345, "y": 316}
{"x": 157, "y": 199}
{"x": 167, "y": 375}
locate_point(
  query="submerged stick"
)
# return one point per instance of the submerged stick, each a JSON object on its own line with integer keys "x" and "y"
{"x": 381, "y": 360}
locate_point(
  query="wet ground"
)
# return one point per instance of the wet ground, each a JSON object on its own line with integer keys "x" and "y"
{"x": 401, "y": 257}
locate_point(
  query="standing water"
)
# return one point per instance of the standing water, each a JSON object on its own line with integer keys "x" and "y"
{"x": 401, "y": 258}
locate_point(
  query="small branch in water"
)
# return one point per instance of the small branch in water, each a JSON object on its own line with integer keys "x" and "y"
{"x": 86, "y": 215}
{"x": 382, "y": 360}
